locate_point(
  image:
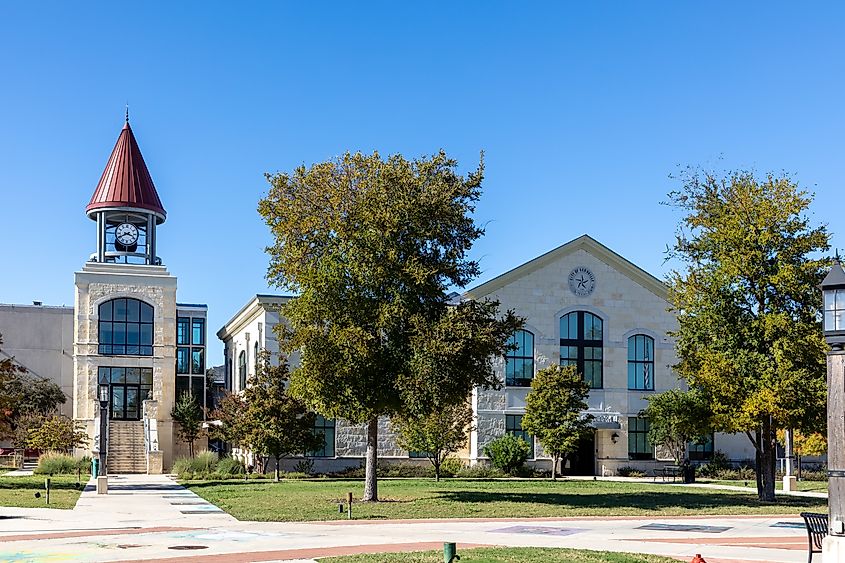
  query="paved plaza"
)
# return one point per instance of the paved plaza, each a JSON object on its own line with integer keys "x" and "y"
{"x": 152, "y": 518}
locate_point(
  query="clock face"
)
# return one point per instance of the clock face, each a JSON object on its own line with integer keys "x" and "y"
{"x": 126, "y": 234}
{"x": 582, "y": 282}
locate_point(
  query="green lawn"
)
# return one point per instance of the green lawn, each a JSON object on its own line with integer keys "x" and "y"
{"x": 20, "y": 491}
{"x": 457, "y": 498}
{"x": 506, "y": 555}
{"x": 813, "y": 486}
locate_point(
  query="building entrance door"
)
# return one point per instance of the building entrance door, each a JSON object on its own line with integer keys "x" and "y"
{"x": 128, "y": 389}
{"x": 583, "y": 462}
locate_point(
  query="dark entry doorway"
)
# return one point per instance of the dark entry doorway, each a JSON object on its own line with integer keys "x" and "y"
{"x": 583, "y": 461}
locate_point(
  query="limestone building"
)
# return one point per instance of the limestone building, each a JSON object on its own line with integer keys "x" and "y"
{"x": 584, "y": 305}
{"x": 126, "y": 339}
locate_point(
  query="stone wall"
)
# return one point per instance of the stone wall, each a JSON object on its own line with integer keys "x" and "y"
{"x": 351, "y": 439}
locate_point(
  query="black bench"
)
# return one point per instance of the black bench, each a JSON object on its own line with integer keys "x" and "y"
{"x": 816, "y": 524}
{"x": 672, "y": 471}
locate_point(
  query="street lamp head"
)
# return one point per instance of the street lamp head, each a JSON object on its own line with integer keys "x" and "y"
{"x": 833, "y": 291}
{"x": 104, "y": 396}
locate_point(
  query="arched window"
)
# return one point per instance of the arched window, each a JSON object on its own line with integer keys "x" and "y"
{"x": 519, "y": 363}
{"x": 242, "y": 370}
{"x": 126, "y": 328}
{"x": 641, "y": 362}
{"x": 581, "y": 344}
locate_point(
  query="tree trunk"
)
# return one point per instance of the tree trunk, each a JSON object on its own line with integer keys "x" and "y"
{"x": 370, "y": 478}
{"x": 554, "y": 467}
{"x": 276, "y": 474}
{"x": 768, "y": 461}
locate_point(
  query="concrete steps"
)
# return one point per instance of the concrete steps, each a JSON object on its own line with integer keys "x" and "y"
{"x": 126, "y": 447}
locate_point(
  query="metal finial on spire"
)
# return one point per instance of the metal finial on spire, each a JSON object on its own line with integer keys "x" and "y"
{"x": 127, "y": 112}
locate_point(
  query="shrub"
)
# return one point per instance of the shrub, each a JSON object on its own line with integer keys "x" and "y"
{"x": 228, "y": 466}
{"x": 508, "y": 453}
{"x": 479, "y": 472}
{"x": 198, "y": 467}
{"x": 305, "y": 466}
{"x": 52, "y": 463}
{"x": 629, "y": 471}
{"x": 451, "y": 466}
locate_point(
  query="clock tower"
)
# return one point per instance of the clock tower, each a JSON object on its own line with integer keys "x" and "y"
{"x": 126, "y": 207}
{"x": 125, "y": 317}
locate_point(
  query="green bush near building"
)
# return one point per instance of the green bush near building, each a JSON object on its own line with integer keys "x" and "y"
{"x": 53, "y": 463}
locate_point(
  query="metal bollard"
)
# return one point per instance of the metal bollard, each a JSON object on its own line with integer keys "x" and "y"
{"x": 450, "y": 553}
{"x": 47, "y": 486}
{"x": 349, "y": 505}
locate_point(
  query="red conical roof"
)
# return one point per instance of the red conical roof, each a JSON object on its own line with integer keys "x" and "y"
{"x": 126, "y": 182}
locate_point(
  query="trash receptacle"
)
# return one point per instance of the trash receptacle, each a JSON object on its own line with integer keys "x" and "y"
{"x": 689, "y": 473}
{"x": 95, "y": 468}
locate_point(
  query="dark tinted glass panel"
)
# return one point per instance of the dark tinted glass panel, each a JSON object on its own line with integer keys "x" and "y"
{"x": 198, "y": 332}
{"x": 182, "y": 335}
{"x": 146, "y": 313}
{"x": 133, "y": 313}
{"x": 146, "y": 334}
{"x": 197, "y": 361}
{"x": 106, "y": 333}
{"x": 120, "y": 309}
{"x": 133, "y": 375}
{"x": 103, "y": 375}
{"x": 132, "y": 403}
{"x": 119, "y": 333}
{"x": 105, "y": 311}
{"x": 182, "y": 385}
{"x": 118, "y": 375}
{"x": 146, "y": 376}
{"x": 133, "y": 333}
{"x": 198, "y": 389}
{"x": 182, "y": 360}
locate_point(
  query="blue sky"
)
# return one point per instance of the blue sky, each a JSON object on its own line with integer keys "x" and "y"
{"x": 583, "y": 111}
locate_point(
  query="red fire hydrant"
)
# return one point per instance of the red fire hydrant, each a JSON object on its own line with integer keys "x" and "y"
{"x": 698, "y": 559}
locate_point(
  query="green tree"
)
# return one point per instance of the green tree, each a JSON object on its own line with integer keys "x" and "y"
{"x": 748, "y": 306}
{"x": 227, "y": 420}
{"x": 275, "y": 423}
{"x": 436, "y": 435}
{"x": 24, "y": 396}
{"x": 371, "y": 247}
{"x": 554, "y": 411}
{"x": 677, "y": 417}
{"x": 188, "y": 414}
{"x": 56, "y": 433}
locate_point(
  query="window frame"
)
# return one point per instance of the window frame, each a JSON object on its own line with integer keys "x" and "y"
{"x": 640, "y": 363}
{"x": 639, "y": 432}
{"x": 582, "y": 344}
{"x": 512, "y": 356}
{"x": 321, "y": 424}
{"x": 144, "y": 346}
{"x": 242, "y": 377}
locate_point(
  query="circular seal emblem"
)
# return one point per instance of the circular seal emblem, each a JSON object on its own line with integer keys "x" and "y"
{"x": 582, "y": 282}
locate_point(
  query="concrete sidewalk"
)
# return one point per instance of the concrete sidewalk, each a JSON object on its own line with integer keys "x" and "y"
{"x": 151, "y": 518}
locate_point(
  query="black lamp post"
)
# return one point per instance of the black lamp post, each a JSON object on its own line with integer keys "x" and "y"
{"x": 833, "y": 291}
{"x": 104, "y": 413}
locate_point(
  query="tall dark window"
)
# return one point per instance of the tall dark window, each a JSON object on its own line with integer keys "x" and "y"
{"x": 701, "y": 449}
{"x": 255, "y": 357}
{"x": 519, "y": 363}
{"x": 183, "y": 335}
{"x": 126, "y": 328}
{"x": 513, "y": 425}
{"x": 638, "y": 444}
{"x": 198, "y": 361}
{"x": 324, "y": 426}
{"x": 128, "y": 389}
{"x": 581, "y": 345}
{"x": 183, "y": 360}
{"x": 198, "y": 331}
{"x": 242, "y": 370}
{"x": 641, "y": 362}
